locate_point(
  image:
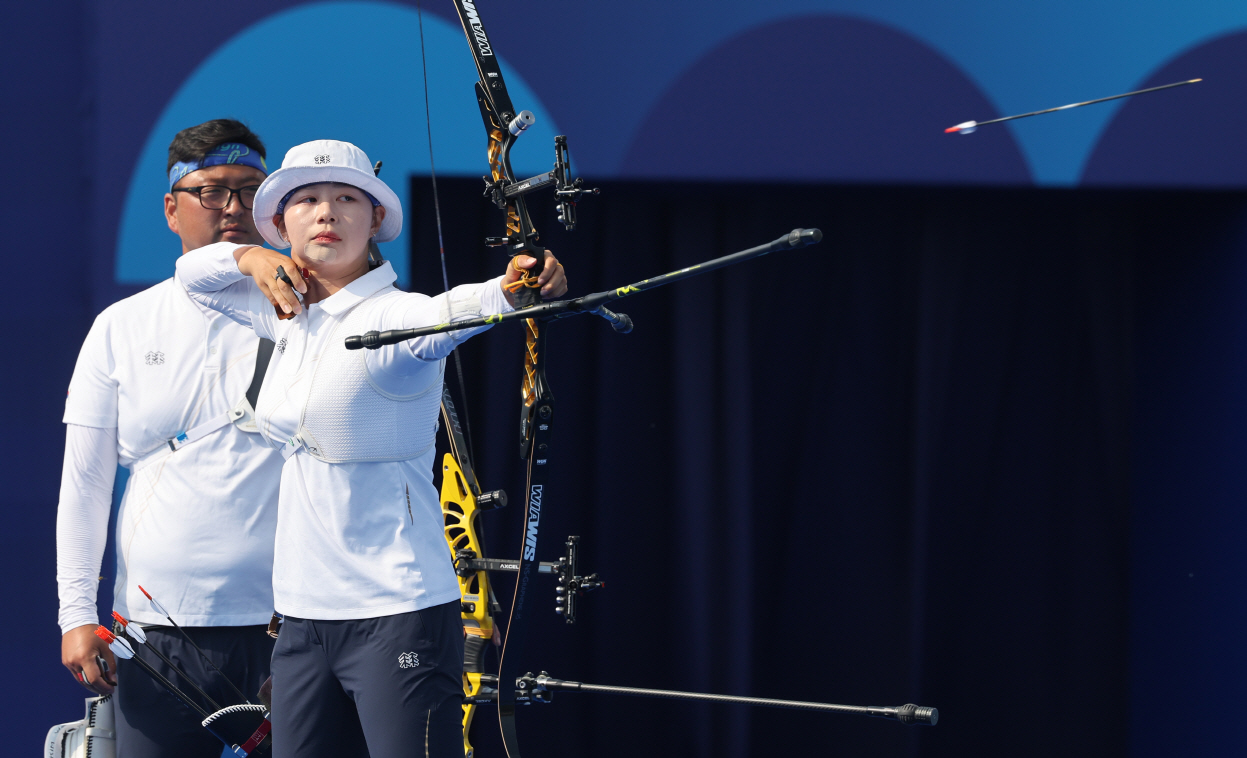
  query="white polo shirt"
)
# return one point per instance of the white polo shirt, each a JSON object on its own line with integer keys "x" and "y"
{"x": 354, "y": 540}
{"x": 195, "y": 526}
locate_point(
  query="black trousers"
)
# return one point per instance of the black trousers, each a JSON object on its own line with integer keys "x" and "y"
{"x": 152, "y": 723}
{"x": 389, "y": 686}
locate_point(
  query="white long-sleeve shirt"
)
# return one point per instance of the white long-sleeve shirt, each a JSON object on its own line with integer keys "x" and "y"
{"x": 354, "y": 540}
{"x": 82, "y": 520}
{"x": 196, "y": 526}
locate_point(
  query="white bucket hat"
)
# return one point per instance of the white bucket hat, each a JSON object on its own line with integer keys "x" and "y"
{"x": 323, "y": 160}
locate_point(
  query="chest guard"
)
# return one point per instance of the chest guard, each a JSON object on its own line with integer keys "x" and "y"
{"x": 349, "y": 419}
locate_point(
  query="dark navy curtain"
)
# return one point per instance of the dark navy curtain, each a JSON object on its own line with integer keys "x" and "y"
{"x": 890, "y": 468}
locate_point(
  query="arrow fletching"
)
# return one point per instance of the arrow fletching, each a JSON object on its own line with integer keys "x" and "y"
{"x": 964, "y": 128}
{"x": 134, "y": 631}
{"x": 119, "y": 646}
{"x": 157, "y": 607}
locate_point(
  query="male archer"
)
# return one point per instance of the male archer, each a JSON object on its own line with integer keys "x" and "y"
{"x": 161, "y": 387}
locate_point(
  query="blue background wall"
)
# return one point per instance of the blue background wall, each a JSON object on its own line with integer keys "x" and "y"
{"x": 792, "y": 90}
{"x": 808, "y": 92}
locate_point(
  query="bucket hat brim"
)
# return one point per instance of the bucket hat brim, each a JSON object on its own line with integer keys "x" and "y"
{"x": 283, "y": 180}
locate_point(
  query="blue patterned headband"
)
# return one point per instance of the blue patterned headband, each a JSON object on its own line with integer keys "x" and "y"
{"x": 227, "y": 153}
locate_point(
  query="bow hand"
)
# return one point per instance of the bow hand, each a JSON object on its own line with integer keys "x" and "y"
{"x": 550, "y": 279}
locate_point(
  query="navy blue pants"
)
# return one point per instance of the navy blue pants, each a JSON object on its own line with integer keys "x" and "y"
{"x": 387, "y": 687}
{"x": 152, "y": 723}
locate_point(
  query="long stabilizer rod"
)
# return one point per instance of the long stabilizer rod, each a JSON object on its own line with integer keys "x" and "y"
{"x": 595, "y": 303}
{"x": 531, "y": 687}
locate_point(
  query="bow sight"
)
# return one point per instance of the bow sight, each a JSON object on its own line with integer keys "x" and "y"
{"x": 566, "y": 190}
{"x": 570, "y": 584}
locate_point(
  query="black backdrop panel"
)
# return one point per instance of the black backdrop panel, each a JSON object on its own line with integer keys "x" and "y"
{"x": 890, "y": 468}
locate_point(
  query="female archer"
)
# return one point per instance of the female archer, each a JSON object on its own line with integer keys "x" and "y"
{"x": 372, "y": 644}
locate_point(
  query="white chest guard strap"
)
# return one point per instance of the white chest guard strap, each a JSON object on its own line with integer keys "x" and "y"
{"x": 242, "y": 415}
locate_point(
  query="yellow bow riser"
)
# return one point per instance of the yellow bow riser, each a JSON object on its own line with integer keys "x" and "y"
{"x": 460, "y": 513}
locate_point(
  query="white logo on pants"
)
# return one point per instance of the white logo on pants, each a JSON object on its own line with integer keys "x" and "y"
{"x": 408, "y": 660}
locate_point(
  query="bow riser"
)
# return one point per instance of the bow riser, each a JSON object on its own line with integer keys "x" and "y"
{"x": 460, "y": 514}
{"x": 502, "y": 125}
{"x": 534, "y": 383}
{"x": 521, "y": 236}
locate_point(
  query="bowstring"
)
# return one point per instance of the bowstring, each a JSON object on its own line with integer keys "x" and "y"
{"x": 441, "y": 246}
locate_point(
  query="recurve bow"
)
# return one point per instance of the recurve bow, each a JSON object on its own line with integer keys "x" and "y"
{"x": 462, "y": 498}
